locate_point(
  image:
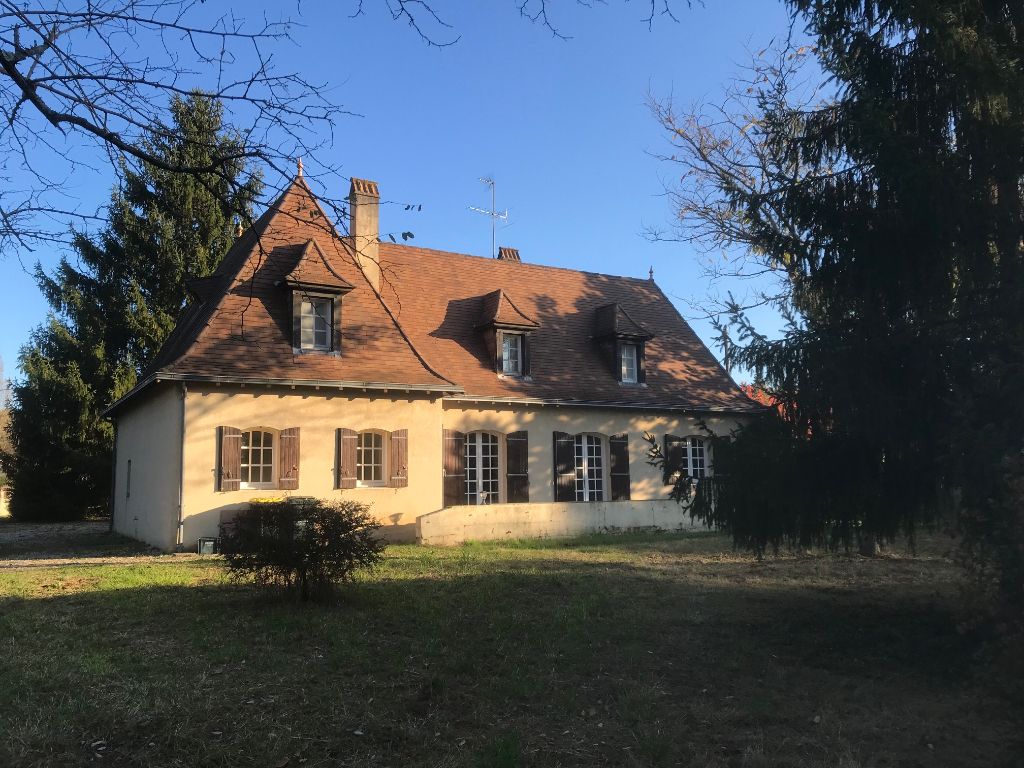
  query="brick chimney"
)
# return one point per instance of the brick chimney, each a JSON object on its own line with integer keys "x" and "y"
{"x": 508, "y": 254}
{"x": 364, "y": 227}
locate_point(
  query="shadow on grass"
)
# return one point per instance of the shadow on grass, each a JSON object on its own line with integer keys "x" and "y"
{"x": 524, "y": 663}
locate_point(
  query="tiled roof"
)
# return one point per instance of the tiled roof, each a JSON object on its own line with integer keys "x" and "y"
{"x": 436, "y": 296}
{"x": 424, "y": 329}
{"x": 245, "y": 330}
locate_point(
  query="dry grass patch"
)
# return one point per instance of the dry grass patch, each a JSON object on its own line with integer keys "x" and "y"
{"x": 636, "y": 651}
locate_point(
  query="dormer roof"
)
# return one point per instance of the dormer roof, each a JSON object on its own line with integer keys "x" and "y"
{"x": 613, "y": 321}
{"x": 499, "y": 311}
{"x": 312, "y": 271}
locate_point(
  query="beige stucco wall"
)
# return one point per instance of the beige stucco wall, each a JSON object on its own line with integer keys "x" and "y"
{"x": 543, "y": 517}
{"x": 317, "y": 414}
{"x": 149, "y": 435}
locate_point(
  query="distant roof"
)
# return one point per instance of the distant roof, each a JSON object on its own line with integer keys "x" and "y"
{"x": 423, "y": 329}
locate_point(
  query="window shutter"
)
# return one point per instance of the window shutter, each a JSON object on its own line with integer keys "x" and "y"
{"x": 288, "y": 459}
{"x": 399, "y": 459}
{"x": 565, "y": 466}
{"x": 336, "y": 325}
{"x": 345, "y": 458}
{"x": 675, "y": 458}
{"x": 229, "y": 458}
{"x": 297, "y": 319}
{"x": 526, "y": 353}
{"x": 499, "y": 350}
{"x": 618, "y": 447}
{"x": 517, "y": 468}
{"x": 641, "y": 363}
{"x": 454, "y": 452}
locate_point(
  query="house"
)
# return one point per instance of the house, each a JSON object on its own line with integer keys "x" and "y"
{"x": 463, "y": 397}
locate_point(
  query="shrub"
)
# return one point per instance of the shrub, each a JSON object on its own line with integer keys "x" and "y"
{"x": 308, "y": 545}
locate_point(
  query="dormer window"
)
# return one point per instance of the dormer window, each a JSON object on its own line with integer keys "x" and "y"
{"x": 621, "y": 340}
{"x": 506, "y": 332}
{"x": 316, "y": 291}
{"x": 512, "y": 354}
{"x": 629, "y": 363}
{"x": 317, "y": 322}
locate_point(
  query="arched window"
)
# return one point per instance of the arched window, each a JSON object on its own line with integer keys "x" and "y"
{"x": 483, "y": 484}
{"x": 590, "y": 465}
{"x": 258, "y": 467}
{"x": 371, "y": 459}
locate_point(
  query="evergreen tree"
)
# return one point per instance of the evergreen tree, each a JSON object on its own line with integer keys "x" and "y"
{"x": 895, "y": 213}
{"x": 116, "y": 304}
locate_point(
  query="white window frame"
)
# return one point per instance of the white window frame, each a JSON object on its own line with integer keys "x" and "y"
{"x": 512, "y": 341}
{"x": 247, "y": 464}
{"x": 587, "y": 474}
{"x": 697, "y": 450}
{"x": 629, "y": 354}
{"x": 475, "y": 450}
{"x": 361, "y": 450}
{"x": 308, "y": 310}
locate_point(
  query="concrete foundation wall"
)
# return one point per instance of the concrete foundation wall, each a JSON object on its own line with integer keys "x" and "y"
{"x": 528, "y": 521}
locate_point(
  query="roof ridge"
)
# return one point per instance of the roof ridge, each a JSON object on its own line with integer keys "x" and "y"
{"x": 514, "y": 265}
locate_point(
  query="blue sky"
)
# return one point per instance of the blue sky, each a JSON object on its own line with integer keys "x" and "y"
{"x": 561, "y": 125}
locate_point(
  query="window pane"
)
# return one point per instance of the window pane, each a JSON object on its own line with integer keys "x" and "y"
{"x": 510, "y": 353}
{"x": 245, "y": 474}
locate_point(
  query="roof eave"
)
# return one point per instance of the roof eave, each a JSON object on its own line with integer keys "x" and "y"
{"x": 256, "y": 381}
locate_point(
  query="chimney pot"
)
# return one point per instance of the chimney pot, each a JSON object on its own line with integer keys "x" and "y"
{"x": 508, "y": 254}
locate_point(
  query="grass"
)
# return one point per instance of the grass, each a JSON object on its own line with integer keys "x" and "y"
{"x": 633, "y": 651}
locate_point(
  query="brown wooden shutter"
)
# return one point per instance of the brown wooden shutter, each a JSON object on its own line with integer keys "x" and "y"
{"x": 618, "y": 447}
{"x": 399, "y": 459}
{"x": 641, "y": 362}
{"x": 229, "y": 458}
{"x": 674, "y": 452}
{"x": 526, "y": 355}
{"x": 288, "y": 460}
{"x": 345, "y": 458}
{"x": 499, "y": 350}
{"x": 454, "y": 453}
{"x": 297, "y": 319}
{"x": 336, "y": 325}
{"x": 517, "y": 468}
{"x": 565, "y": 466}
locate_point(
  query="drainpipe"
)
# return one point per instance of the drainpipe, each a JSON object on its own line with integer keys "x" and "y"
{"x": 113, "y": 479}
{"x": 180, "y": 534}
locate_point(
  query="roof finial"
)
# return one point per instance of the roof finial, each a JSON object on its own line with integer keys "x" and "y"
{"x": 238, "y": 228}
{"x": 299, "y": 163}
{"x": 650, "y": 273}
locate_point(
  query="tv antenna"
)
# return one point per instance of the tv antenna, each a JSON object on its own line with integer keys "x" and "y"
{"x": 494, "y": 213}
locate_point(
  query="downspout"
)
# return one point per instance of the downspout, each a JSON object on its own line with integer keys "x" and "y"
{"x": 180, "y": 533}
{"x": 113, "y": 480}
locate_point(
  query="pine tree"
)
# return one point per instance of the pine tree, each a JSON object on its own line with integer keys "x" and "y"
{"x": 895, "y": 212}
{"x": 115, "y": 305}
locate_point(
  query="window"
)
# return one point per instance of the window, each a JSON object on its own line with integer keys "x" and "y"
{"x": 316, "y": 322}
{"x": 589, "y": 468}
{"x": 482, "y": 485}
{"x": 370, "y": 459}
{"x": 257, "y": 464}
{"x": 629, "y": 364}
{"x": 695, "y": 457}
{"x": 512, "y": 354}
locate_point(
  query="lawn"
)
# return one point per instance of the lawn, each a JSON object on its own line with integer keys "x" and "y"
{"x": 633, "y": 651}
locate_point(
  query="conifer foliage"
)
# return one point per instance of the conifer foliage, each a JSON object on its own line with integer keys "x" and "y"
{"x": 893, "y": 210}
{"x": 115, "y": 303}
